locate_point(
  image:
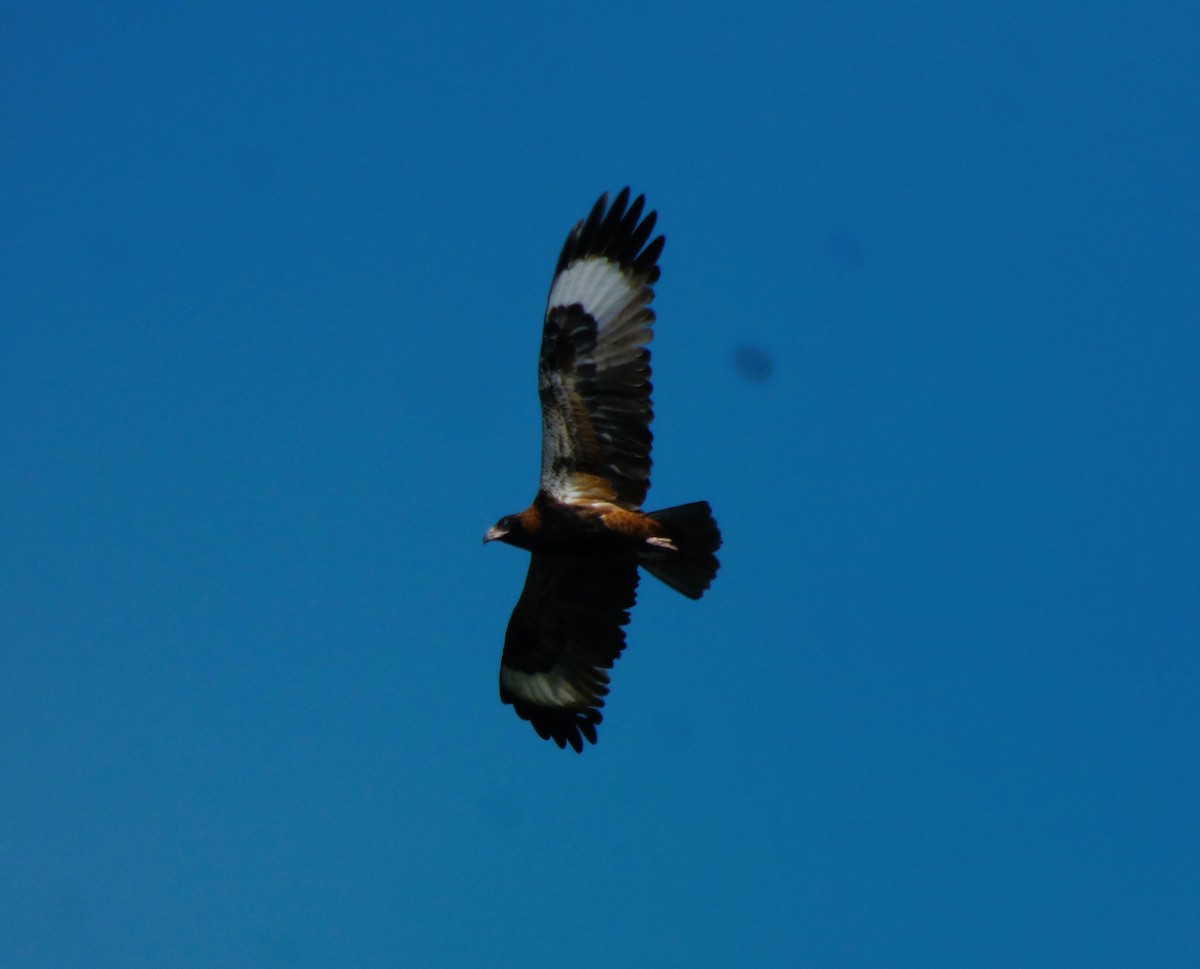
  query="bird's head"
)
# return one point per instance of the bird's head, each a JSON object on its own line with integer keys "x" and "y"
{"x": 509, "y": 529}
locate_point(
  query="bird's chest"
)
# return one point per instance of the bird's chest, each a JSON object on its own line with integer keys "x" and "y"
{"x": 581, "y": 533}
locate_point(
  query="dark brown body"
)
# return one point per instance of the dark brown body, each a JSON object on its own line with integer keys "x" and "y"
{"x": 676, "y": 545}
{"x": 548, "y": 527}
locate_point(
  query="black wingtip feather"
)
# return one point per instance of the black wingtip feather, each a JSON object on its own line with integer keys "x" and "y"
{"x": 647, "y": 262}
{"x": 638, "y": 234}
{"x": 616, "y": 232}
{"x": 561, "y": 726}
{"x": 609, "y": 230}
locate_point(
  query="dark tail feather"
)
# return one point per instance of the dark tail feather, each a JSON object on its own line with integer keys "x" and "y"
{"x": 694, "y": 533}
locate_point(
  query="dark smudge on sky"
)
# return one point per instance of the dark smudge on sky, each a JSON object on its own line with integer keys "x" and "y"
{"x": 753, "y": 363}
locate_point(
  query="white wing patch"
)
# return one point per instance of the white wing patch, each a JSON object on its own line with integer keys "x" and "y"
{"x": 598, "y": 285}
{"x": 551, "y": 689}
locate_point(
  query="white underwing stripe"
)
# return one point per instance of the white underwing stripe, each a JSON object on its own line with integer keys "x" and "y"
{"x": 550, "y": 689}
{"x": 598, "y": 285}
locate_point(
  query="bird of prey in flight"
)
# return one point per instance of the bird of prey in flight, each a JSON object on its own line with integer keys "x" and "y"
{"x": 585, "y": 527}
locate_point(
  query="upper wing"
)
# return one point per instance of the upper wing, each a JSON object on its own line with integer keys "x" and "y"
{"x": 564, "y": 635}
{"x": 594, "y": 369}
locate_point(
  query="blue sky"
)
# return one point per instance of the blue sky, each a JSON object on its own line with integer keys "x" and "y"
{"x": 270, "y": 293}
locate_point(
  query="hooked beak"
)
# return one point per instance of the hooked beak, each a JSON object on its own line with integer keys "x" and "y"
{"x": 494, "y": 533}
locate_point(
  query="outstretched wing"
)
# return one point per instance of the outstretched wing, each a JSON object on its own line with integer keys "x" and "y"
{"x": 594, "y": 369}
{"x": 564, "y": 636}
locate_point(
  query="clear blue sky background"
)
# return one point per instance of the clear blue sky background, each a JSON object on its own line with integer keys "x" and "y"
{"x": 271, "y": 283}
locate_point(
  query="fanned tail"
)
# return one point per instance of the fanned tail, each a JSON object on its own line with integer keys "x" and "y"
{"x": 693, "y": 531}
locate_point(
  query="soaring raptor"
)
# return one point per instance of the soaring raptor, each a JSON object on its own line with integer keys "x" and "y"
{"x": 585, "y": 528}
